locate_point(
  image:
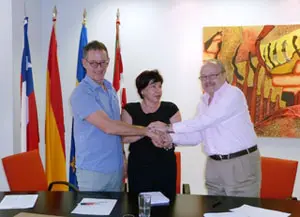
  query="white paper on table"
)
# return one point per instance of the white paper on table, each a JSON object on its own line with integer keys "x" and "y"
{"x": 252, "y": 211}
{"x": 95, "y": 206}
{"x": 19, "y": 201}
{"x": 224, "y": 214}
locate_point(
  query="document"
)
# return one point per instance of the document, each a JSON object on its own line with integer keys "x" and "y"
{"x": 25, "y": 214}
{"x": 248, "y": 211}
{"x": 224, "y": 214}
{"x": 20, "y": 201}
{"x": 157, "y": 198}
{"x": 252, "y": 211}
{"x": 94, "y": 206}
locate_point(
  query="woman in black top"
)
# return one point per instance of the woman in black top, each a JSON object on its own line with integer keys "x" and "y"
{"x": 150, "y": 168}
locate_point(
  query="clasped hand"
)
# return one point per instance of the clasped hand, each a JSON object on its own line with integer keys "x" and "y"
{"x": 157, "y": 131}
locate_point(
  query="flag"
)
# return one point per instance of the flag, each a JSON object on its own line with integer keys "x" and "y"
{"x": 118, "y": 68}
{"x": 80, "y": 75}
{"x": 54, "y": 128}
{"x": 29, "y": 118}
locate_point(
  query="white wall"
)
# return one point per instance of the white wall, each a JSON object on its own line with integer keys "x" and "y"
{"x": 154, "y": 34}
{"x": 6, "y": 114}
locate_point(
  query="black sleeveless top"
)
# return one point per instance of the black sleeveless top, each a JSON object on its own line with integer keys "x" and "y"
{"x": 144, "y": 150}
{"x": 151, "y": 168}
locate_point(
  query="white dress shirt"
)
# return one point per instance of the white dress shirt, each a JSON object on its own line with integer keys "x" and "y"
{"x": 224, "y": 126}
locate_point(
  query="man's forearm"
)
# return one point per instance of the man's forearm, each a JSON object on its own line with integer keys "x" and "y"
{"x": 123, "y": 129}
{"x": 192, "y": 139}
{"x": 131, "y": 139}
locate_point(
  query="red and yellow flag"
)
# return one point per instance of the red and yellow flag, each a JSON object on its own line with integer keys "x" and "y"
{"x": 54, "y": 129}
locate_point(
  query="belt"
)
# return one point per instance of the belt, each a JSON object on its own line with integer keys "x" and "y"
{"x": 234, "y": 155}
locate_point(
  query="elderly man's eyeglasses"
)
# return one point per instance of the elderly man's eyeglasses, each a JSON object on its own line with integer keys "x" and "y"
{"x": 210, "y": 77}
{"x": 95, "y": 64}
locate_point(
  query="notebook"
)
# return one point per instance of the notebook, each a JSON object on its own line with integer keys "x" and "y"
{"x": 157, "y": 198}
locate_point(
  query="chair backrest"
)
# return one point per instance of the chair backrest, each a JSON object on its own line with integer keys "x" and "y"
{"x": 25, "y": 172}
{"x": 178, "y": 177}
{"x": 278, "y": 177}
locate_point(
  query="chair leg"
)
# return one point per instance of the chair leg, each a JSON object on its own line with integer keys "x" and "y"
{"x": 124, "y": 187}
{"x": 62, "y": 183}
{"x": 186, "y": 189}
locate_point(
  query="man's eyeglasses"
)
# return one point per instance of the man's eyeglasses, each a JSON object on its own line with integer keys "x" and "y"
{"x": 95, "y": 64}
{"x": 211, "y": 77}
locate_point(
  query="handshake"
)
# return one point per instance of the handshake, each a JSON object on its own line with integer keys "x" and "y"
{"x": 158, "y": 132}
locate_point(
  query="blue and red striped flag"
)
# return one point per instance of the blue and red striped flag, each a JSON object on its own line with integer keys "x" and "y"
{"x": 29, "y": 118}
{"x": 80, "y": 75}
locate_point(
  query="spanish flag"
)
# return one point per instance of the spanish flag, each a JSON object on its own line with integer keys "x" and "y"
{"x": 54, "y": 129}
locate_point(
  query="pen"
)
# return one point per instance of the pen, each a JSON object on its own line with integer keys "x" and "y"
{"x": 217, "y": 203}
{"x": 91, "y": 203}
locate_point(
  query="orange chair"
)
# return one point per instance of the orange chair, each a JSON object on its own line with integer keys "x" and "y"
{"x": 25, "y": 172}
{"x": 185, "y": 187}
{"x": 278, "y": 177}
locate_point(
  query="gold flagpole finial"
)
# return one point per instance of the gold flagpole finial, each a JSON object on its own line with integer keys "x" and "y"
{"x": 84, "y": 17}
{"x": 54, "y": 14}
{"x": 118, "y": 14}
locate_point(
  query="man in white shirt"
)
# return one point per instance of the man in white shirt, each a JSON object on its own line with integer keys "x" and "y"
{"x": 224, "y": 126}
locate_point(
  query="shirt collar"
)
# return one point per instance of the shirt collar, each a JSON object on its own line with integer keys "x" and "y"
{"x": 95, "y": 85}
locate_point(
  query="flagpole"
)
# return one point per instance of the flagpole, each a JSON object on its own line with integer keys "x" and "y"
{"x": 80, "y": 74}
{"x": 84, "y": 17}
{"x": 118, "y": 22}
{"x": 54, "y": 14}
{"x": 54, "y": 118}
{"x": 117, "y": 26}
{"x": 118, "y": 66}
{"x": 24, "y": 108}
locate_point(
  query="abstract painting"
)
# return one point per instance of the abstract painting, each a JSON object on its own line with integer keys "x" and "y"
{"x": 264, "y": 62}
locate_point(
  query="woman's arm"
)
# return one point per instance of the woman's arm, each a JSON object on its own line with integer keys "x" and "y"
{"x": 125, "y": 116}
{"x": 176, "y": 117}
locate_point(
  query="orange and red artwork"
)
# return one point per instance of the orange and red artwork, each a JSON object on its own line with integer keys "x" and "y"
{"x": 264, "y": 62}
